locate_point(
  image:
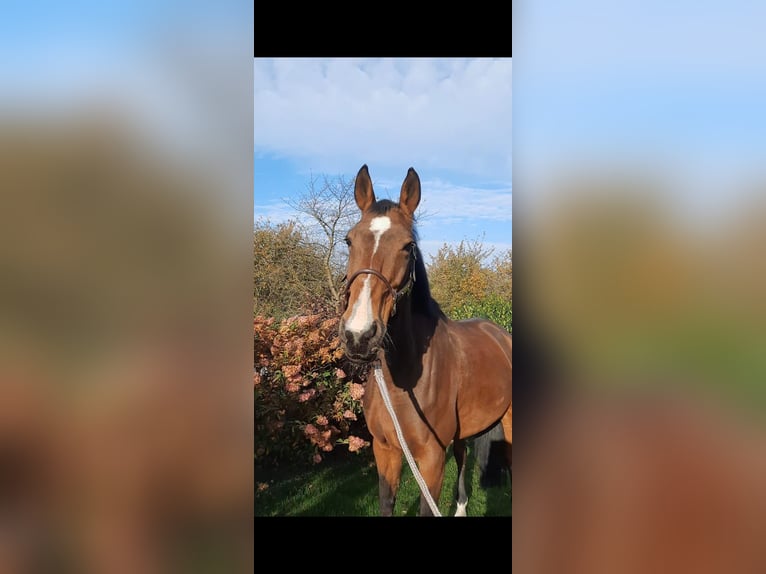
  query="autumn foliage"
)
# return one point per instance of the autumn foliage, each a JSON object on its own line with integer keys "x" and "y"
{"x": 461, "y": 278}
{"x": 306, "y": 404}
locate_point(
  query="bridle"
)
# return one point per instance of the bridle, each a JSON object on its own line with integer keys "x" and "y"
{"x": 395, "y": 294}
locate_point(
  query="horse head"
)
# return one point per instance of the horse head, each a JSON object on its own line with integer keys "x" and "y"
{"x": 381, "y": 265}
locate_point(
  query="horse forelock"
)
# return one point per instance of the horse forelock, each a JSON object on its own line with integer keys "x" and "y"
{"x": 382, "y": 207}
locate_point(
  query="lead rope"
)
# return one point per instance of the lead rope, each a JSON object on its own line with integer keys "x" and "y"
{"x": 411, "y": 461}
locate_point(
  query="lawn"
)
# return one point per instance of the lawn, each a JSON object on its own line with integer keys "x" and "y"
{"x": 349, "y": 487}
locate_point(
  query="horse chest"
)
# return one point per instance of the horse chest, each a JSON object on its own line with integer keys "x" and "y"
{"x": 420, "y": 413}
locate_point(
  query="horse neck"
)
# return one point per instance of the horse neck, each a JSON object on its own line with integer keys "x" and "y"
{"x": 410, "y": 331}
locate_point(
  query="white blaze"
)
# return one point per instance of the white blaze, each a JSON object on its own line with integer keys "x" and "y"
{"x": 379, "y": 226}
{"x": 361, "y": 312}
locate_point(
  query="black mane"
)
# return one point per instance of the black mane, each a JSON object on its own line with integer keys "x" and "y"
{"x": 422, "y": 301}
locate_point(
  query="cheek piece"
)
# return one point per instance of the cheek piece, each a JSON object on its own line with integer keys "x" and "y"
{"x": 395, "y": 295}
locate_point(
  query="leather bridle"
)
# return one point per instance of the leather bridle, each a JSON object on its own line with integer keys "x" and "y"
{"x": 395, "y": 294}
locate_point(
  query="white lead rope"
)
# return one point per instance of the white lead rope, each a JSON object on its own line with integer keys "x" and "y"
{"x": 411, "y": 461}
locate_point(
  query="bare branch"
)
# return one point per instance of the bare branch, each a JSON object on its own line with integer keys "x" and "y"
{"x": 328, "y": 203}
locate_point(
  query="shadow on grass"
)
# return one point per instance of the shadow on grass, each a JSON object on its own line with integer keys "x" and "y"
{"x": 499, "y": 498}
{"x": 343, "y": 487}
{"x": 348, "y": 486}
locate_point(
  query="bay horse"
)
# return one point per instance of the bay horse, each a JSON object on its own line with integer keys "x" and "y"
{"x": 447, "y": 380}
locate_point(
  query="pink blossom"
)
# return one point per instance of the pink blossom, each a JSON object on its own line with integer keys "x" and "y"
{"x": 355, "y": 443}
{"x": 349, "y": 414}
{"x": 340, "y": 373}
{"x": 291, "y": 371}
{"x": 329, "y": 324}
{"x": 317, "y": 458}
{"x": 292, "y": 387}
{"x": 322, "y": 420}
{"x": 310, "y": 430}
{"x": 303, "y": 397}
{"x": 356, "y": 390}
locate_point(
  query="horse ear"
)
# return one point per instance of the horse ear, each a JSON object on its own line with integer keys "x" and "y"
{"x": 410, "y": 196}
{"x": 363, "y": 193}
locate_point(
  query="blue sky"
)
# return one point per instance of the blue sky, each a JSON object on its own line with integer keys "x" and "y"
{"x": 450, "y": 119}
{"x": 673, "y": 89}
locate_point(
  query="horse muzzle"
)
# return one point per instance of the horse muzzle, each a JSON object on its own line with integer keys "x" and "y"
{"x": 362, "y": 346}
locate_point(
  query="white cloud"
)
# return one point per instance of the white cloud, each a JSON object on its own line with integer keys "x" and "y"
{"x": 436, "y": 113}
{"x": 444, "y": 202}
{"x": 274, "y": 212}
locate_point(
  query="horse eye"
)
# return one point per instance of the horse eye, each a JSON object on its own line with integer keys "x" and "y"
{"x": 409, "y": 247}
{"x": 347, "y": 240}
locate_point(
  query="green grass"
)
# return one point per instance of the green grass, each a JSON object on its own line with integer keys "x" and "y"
{"x": 349, "y": 487}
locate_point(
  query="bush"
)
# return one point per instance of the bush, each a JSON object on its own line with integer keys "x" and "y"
{"x": 457, "y": 275}
{"x": 305, "y": 403}
{"x": 494, "y": 308}
{"x": 288, "y": 271}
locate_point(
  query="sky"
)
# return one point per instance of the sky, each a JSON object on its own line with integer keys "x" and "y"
{"x": 667, "y": 86}
{"x": 176, "y": 73}
{"x": 450, "y": 119}
{"x": 673, "y": 89}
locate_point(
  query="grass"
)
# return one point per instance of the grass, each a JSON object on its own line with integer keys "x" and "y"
{"x": 349, "y": 487}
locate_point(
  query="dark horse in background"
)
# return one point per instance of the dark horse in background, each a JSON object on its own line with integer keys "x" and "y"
{"x": 448, "y": 380}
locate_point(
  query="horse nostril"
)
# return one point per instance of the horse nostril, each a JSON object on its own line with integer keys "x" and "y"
{"x": 360, "y": 341}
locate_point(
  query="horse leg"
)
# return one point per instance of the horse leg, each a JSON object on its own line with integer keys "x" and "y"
{"x": 507, "y": 431}
{"x": 459, "y": 450}
{"x": 431, "y": 465}
{"x": 389, "y": 463}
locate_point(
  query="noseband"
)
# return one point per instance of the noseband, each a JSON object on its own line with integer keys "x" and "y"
{"x": 395, "y": 295}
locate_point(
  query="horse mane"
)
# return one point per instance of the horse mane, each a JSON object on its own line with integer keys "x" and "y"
{"x": 422, "y": 301}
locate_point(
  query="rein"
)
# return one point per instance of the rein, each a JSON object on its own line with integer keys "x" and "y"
{"x": 408, "y": 455}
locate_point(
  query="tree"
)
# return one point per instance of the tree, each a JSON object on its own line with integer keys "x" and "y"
{"x": 329, "y": 205}
{"x": 502, "y": 277}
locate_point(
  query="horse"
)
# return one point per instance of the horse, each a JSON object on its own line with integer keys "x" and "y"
{"x": 448, "y": 381}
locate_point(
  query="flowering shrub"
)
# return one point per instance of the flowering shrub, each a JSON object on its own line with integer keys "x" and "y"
{"x": 305, "y": 403}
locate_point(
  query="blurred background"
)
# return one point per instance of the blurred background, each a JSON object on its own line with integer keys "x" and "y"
{"x": 125, "y": 344}
{"x": 126, "y": 179}
{"x": 639, "y": 239}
